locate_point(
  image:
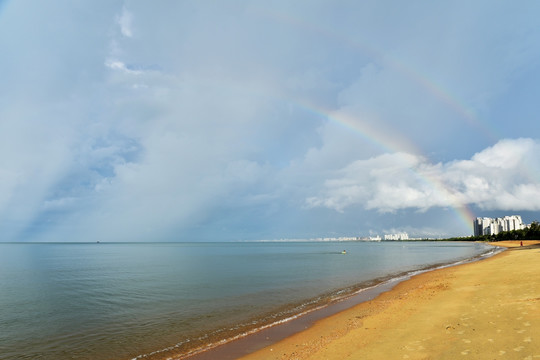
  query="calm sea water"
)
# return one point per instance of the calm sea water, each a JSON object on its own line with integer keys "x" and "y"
{"x": 120, "y": 301}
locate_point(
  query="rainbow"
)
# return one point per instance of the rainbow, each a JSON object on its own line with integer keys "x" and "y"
{"x": 383, "y": 141}
{"x": 388, "y": 144}
{"x": 383, "y": 59}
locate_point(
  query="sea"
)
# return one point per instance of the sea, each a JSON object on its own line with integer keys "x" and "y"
{"x": 124, "y": 301}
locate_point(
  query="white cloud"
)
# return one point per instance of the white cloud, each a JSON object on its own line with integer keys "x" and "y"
{"x": 498, "y": 178}
{"x": 125, "y": 21}
{"x": 151, "y": 118}
{"x": 120, "y": 66}
{"x": 58, "y": 204}
{"x": 506, "y": 154}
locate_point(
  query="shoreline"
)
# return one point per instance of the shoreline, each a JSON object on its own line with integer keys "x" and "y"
{"x": 267, "y": 335}
{"x": 444, "y": 313}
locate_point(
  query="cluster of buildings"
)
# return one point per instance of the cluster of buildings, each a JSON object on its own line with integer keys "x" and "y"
{"x": 388, "y": 237}
{"x": 401, "y": 236}
{"x": 493, "y": 226}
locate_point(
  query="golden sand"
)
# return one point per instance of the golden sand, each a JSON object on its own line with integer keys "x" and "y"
{"x": 488, "y": 309}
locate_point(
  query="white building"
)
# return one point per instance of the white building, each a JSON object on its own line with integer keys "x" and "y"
{"x": 492, "y": 226}
{"x": 401, "y": 236}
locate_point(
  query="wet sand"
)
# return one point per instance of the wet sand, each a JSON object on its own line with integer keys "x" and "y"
{"x": 483, "y": 310}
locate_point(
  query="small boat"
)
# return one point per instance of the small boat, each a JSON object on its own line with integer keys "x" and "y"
{"x": 344, "y": 252}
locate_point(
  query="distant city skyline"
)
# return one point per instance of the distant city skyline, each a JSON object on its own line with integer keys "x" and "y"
{"x": 244, "y": 120}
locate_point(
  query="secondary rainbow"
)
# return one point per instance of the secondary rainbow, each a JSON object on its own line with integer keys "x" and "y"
{"x": 385, "y": 60}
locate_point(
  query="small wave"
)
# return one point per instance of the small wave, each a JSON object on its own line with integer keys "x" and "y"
{"x": 223, "y": 341}
{"x": 297, "y": 311}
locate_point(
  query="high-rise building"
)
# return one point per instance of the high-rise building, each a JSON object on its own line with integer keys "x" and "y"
{"x": 492, "y": 226}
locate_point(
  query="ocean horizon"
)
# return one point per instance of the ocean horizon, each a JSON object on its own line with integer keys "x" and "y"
{"x": 151, "y": 300}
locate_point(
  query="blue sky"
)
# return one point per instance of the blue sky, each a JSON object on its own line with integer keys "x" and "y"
{"x": 238, "y": 120}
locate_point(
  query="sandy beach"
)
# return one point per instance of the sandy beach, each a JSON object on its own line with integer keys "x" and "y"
{"x": 488, "y": 309}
